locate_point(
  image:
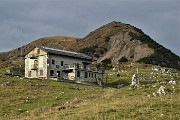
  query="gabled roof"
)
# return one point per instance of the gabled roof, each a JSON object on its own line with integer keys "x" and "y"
{"x": 65, "y": 53}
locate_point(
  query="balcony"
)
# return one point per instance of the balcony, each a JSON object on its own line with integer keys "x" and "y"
{"x": 67, "y": 67}
{"x": 79, "y": 67}
{"x": 73, "y": 66}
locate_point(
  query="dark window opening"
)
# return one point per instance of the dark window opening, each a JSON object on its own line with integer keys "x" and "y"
{"x": 62, "y": 63}
{"x": 48, "y": 62}
{"x": 85, "y": 66}
{"x": 92, "y": 75}
{"x": 57, "y": 66}
{"x": 78, "y": 73}
{"x": 95, "y": 75}
{"x": 77, "y": 65}
{"x": 53, "y": 61}
{"x": 51, "y": 72}
{"x": 89, "y": 74}
{"x": 86, "y": 75}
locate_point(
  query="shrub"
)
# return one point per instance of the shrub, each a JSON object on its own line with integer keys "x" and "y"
{"x": 107, "y": 39}
{"x": 106, "y": 63}
{"x": 89, "y": 50}
{"x": 144, "y": 39}
{"x": 123, "y": 59}
{"x": 102, "y": 50}
{"x": 96, "y": 55}
{"x": 138, "y": 30}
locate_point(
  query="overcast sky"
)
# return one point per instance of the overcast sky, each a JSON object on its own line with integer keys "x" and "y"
{"x": 22, "y": 21}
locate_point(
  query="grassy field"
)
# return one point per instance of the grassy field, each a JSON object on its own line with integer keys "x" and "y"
{"x": 23, "y": 98}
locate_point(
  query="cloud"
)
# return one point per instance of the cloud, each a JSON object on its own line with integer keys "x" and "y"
{"x": 23, "y": 21}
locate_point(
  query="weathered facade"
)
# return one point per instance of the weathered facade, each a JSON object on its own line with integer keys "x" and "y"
{"x": 43, "y": 62}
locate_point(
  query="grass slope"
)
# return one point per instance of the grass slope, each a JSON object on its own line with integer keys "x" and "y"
{"x": 59, "y": 42}
{"x": 48, "y": 99}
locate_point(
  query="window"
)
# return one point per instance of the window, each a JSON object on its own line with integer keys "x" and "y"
{"x": 51, "y": 72}
{"x": 77, "y": 65}
{"x": 85, "y": 75}
{"x": 95, "y": 75}
{"x": 41, "y": 72}
{"x": 35, "y": 64}
{"x": 53, "y": 61}
{"x": 38, "y": 51}
{"x": 48, "y": 61}
{"x": 29, "y": 73}
{"x": 62, "y": 63}
{"x": 78, "y": 73}
{"x": 92, "y": 75}
{"x": 85, "y": 66}
{"x": 57, "y": 66}
{"x": 89, "y": 74}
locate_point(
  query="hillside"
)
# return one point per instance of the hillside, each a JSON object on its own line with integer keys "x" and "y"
{"x": 114, "y": 40}
{"x": 23, "y": 99}
{"x": 117, "y": 40}
{"x": 60, "y": 42}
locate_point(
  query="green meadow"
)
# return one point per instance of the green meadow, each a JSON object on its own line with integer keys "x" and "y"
{"x": 24, "y": 99}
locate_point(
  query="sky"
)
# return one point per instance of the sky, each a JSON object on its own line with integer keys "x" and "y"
{"x": 23, "y": 21}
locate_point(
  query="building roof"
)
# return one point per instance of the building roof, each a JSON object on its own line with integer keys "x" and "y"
{"x": 65, "y": 53}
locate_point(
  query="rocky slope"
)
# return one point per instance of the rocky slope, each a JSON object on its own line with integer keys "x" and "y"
{"x": 118, "y": 40}
{"x": 114, "y": 40}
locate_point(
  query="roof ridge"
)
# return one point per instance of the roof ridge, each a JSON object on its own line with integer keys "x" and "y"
{"x": 65, "y": 52}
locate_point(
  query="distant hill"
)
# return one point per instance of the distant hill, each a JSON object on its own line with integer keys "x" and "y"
{"x": 116, "y": 41}
{"x": 60, "y": 42}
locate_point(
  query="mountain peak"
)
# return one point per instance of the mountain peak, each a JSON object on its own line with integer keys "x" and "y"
{"x": 115, "y": 40}
{"x": 114, "y": 23}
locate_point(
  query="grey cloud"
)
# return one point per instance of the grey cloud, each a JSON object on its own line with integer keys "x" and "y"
{"x": 34, "y": 19}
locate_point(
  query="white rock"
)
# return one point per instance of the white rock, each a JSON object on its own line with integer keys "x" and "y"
{"x": 161, "y": 90}
{"x": 135, "y": 80}
{"x": 154, "y": 94}
{"x": 172, "y": 82}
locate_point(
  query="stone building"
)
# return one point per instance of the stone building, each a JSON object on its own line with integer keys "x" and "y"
{"x": 44, "y": 62}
